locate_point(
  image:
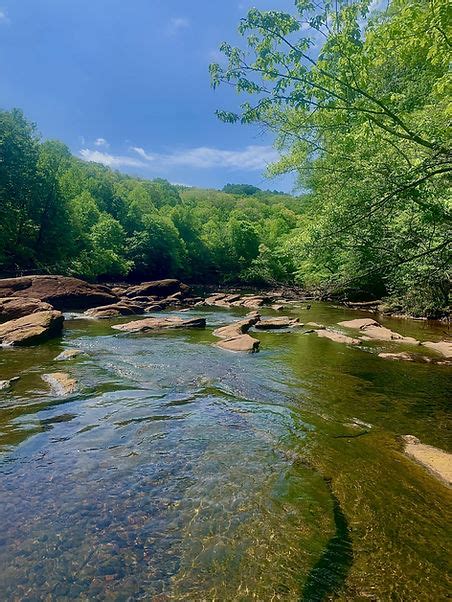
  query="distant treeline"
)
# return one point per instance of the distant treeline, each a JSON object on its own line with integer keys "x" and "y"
{"x": 61, "y": 214}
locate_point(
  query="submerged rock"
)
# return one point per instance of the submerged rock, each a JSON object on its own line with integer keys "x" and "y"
{"x": 276, "y": 323}
{"x": 415, "y": 357}
{"x": 315, "y": 326}
{"x": 62, "y": 292}
{"x": 407, "y": 357}
{"x": 60, "y": 383}
{"x": 32, "y": 329}
{"x": 68, "y": 354}
{"x": 242, "y": 343}
{"x": 337, "y": 337}
{"x": 160, "y": 323}
{"x": 12, "y": 308}
{"x": 7, "y": 384}
{"x": 436, "y": 461}
{"x": 443, "y": 347}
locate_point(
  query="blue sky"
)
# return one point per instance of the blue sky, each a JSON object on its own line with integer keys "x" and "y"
{"x": 127, "y": 84}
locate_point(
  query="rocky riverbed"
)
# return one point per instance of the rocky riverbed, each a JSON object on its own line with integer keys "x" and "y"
{"x": 147, "y": 450}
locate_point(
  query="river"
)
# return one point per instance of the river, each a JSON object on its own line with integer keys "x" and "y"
{"x": 180, "y": 471}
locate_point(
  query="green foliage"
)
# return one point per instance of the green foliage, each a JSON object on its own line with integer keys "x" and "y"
{"x": 241, "y": 189}
{"x": 61, "y": 214}
{"x": 359, "y": 103}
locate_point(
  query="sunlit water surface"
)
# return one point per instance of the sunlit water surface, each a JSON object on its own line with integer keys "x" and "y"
{"x": 183, "y": 472}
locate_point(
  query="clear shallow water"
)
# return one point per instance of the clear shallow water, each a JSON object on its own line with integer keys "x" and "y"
{"x": 183, "y": 472}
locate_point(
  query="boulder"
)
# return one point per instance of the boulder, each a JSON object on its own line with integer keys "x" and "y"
{"x": 160, "y": 323}
{"x": 276, "y": 323}
{"x": 236, "y": 328}
{"x": 12, "y": 308}
{"x": 115, "y": 310}
{"x": 436, "y": 461}
{"x": 443, "y": 347}
{"x": 68, "y": 354}
{"x": 7, "y": 384}
{"x": 159, "y": 288}
{"x": 337, "y": 337}
{"x": 32, "y": 329}
{"x": 60, "y": 291}
{"x": 242, "y": 343}
{"x": 60, "y": 383}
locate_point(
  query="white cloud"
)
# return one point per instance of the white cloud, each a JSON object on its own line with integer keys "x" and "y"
{"x": 252, "y": 157}
{"x": 140, "y": 151}
{"x": 177, "y": 24}
{"x": 110, "y": 160}
{"x": 101, "y": 142}
{"x": 4, "y": 19}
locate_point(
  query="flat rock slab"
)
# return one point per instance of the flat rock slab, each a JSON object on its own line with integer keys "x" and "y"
{"x": 160, "y": 324}
{"x": 60, "y": 383}
{"x": 337, "y": 337}
{"x": 443, "y": 347}
{"x": 32, "y": 329}
{"x": 60, "y": 291}
{"x": 243, "y": 343}
{"x": 436, "y": 461}
{"x": 12, "y": 308}
{"x": 380, "y": 333}
{"x": 68, "y": 354}
{"x": 360, "y": 323}
{"x": 236, "y": 328}
{"x": 276, "y": 323}
{"x": 373, "y": 330}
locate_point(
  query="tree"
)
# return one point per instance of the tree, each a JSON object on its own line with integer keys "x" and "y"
{"x": 362, "y": 121}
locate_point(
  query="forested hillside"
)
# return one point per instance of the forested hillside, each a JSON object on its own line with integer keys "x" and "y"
{"x": 61, "y": 214}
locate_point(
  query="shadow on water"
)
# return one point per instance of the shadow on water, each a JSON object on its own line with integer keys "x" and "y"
{"x": 330, "y": 572}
